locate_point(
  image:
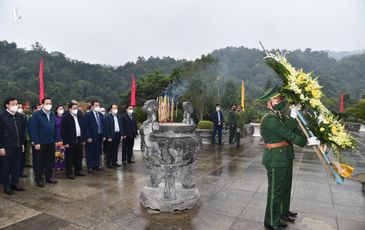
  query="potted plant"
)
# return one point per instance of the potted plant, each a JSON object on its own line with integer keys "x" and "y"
{"x": 358, "y": 111}
{"x": 205, "y": 131}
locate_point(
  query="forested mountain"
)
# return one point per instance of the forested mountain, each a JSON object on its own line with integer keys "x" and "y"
{"x": 219, "y": 72}
{"x": 65, "y": 78}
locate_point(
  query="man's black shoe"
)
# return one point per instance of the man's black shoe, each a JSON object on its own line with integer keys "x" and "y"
{"x": 269, "y": 227}
{"x": 124, "y": 163}
{"x": 292, "y": 214}
{"x": 80, "y": 174}
{"x": 110, "y": 167}
{"x": 131, "y": 162}
{"x": 8, "y": 191}
{"x": 117, "y": 165}
{"x": 90, "y": 171}
{"x": 18, "y": 188}
{"x": 23, "y": 175}
{"x": 287, "y": 218}
{"x": 71, "y": 177}
{"x": 98, "y": 169}
{"x": 51, "y": 181}
{"x": 40, "y": 183}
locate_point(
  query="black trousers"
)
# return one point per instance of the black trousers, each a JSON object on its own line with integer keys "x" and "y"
{"x": 44, "y": 161}
{"x": 22, "y": 163}
{"x": 127, "y": 149}
{"x": 10, "y": 164}
{"x": 111, "y": 150}
{"x": 73, "y": 158}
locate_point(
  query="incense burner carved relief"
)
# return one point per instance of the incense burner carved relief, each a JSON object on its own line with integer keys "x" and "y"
{"x": 170, "y": 151}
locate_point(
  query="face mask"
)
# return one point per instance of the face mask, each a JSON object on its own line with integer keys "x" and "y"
{"x": 20, "y": 110}
{"x": 96, "y": 109}
{"x": 218, "y": 109}
{"x": 74, "y": 111}
{"x": 115, "y": 111}
{"x": 13, "y": 108}
{"x": 102, "y": 113}
{"x": 130, "y": 111}
{"x": 279, "y": 106}
{"x": 47, "y": 107}
{"x": 61, "y": 111}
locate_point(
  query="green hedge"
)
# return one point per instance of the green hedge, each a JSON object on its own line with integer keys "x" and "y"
{"x": 205, "y": 125}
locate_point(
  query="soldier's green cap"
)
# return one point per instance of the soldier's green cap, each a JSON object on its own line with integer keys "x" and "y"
{"x": 271, "y": 93}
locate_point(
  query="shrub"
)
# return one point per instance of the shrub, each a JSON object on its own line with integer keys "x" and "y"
{"x": 205, "y": 125}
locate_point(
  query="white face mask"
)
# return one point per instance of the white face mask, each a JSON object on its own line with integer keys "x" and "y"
{"x": 61, "y": 111}
{"x": 115, "y": 111}
{"x": 20, "y": 110}
{"x": 96, "y": 109}
{"x": 130, "y": 111}
{"x": 13, "y": 108}
{"x": 218, "y": 109}
{"x": 47, "y": 107}
{"x": 74, "y": 111}
{"x": 102, "y": 113}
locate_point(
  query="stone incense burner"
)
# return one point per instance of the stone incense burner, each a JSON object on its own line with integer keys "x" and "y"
{"x": 170, "y": 151}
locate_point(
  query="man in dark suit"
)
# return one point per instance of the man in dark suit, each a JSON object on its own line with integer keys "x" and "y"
{"x": 12, "y": 136}
{"x": 113, "y": 128}
{"x": 23, "y": 157}
{"x": 129, "y": 132}
{"x": 72, "y": 137}
{"x": 43, "y": 134}
{"x": 218, "y": 120}
{"x": 93, "y": 121}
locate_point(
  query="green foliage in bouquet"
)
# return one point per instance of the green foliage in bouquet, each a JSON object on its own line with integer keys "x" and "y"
{"x": 205, "y": 125}
{"x": 301, "y": 88}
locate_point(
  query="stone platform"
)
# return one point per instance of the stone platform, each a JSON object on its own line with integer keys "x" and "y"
{"x": 232, "y": 185}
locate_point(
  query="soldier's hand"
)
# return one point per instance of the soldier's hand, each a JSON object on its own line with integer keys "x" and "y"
{"x": 294, "y": 111}
{"x": 2, "y": 152}
{"x": 312, "y": 141}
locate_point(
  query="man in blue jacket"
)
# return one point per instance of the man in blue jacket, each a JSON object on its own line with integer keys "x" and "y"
{"x": 112, "y": 129}
{"x": 93, "y": 121}
{"x": 42, "y": 133}
{"x": 218, "y": 120}
{"x": 12, "y": 136}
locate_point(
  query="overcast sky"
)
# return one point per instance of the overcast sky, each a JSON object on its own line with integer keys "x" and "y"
{"x": 116, "y": 31}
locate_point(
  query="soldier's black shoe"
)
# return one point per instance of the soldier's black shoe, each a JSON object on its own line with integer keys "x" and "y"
{"x": 287, "y": 218}
{"x": 18, "y": 188}
{"x": 8, "y": 191}
{"x": 283, "y": 225}
{"x": 292, "y": 214}
{"x": 270, "y": 227}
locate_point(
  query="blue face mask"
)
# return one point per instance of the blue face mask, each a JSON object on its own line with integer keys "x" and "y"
{"x": 279, "y": 106}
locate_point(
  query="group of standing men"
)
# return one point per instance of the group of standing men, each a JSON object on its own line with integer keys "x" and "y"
{"x": 91, "y": 130}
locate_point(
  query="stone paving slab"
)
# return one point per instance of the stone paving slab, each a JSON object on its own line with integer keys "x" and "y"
{"x": 232, "y": 183}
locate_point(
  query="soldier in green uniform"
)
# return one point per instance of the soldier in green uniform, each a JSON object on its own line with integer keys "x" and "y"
{"x": 280, "y": 133}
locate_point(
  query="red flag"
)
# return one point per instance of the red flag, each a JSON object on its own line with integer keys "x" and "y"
{"x": 133, "y": 92}
{"x": 342, "y": 102}
{"x": 41, "y": 86}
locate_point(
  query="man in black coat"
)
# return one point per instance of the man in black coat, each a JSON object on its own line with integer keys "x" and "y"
{"x": 72, "y": 136}
{"x": 129, "y": 132}
{"x": 218, "y": 120}
{"x": 12, "y": 136}
{"x": 113, "y": 126}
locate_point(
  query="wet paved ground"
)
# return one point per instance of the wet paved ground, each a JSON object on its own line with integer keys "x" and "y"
{"x": 232, "y": 183}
